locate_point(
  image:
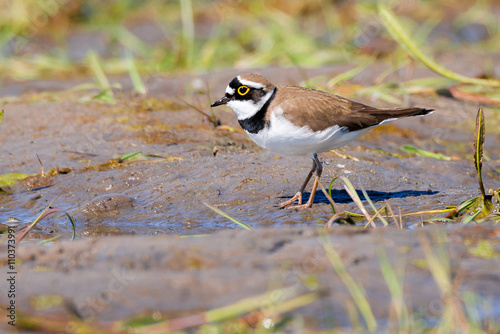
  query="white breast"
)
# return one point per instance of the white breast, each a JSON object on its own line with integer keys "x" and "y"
{"x": 286, "y": 138}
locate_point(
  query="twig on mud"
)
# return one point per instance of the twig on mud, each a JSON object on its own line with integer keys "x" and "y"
{"x": 211, "y": 119}
{"x": 41, "y": 164}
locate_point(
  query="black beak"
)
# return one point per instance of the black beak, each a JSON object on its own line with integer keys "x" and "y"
{"x": 220, "y": 102}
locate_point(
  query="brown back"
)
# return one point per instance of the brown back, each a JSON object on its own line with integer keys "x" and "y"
{"x": 320, "y": 110}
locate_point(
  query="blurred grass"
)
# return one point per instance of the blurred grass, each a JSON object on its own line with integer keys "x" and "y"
{"x": 40, "y": 39}
{"x": 454, "y": 308}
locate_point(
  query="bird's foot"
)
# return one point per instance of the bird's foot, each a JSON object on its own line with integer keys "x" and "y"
{"x": 299, "y": 206}
{"x": 298, "y": 196}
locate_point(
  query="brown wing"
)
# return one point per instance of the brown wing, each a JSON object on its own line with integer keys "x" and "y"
{"x": 320, "y": 110}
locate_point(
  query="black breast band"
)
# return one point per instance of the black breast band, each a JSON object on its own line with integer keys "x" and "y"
{"x": 256, "y": 123}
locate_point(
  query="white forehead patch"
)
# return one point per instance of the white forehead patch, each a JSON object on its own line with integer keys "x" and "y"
{"x": 252, "y": 84}
{"x": 229, "y": 90}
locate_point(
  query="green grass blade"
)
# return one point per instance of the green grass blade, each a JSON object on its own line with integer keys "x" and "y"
{"x": 9, "y": 179}
{"x": 329, "y": 195}
{"x": 351, "y": 73}
{"x": 397, "y": 31}
{"x": 223, "y": 214}
{"x": 193, "y": 236}
{"x": 40, "y": 217}
{"x": 129, "y": 156}
{"x": 44, "y": 214}
{"x": 351, "y": 191}
{"x": 96, "y": 68}
{"x": 462, "y": 206}
{"x": 139, "y": 86}
{"x": 424, "y": 153}
{"x": 277, "y": 301}
{"x": 43, "y": 242}
{"x": 479, "y": 134}
{"x": 275, "y": 306}
{"x": 214, "y": 118}
{"x": 471, "y": 218}
{"x": 106, "y": 96}
{"x": 73, "y": 226}
{"x": 438, "y": 269}
{"x": 187, "y": 31}
{"x": 368, "y": 199}
{"x": 106, "y": 93}
{"x": 354, "y": 289}
{"x": 394, "y": 283}
{"x": 1, "y": 116}
{"x": 241, "y": 307}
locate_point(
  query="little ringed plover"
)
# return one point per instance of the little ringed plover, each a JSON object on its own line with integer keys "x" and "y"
{"x": 293, "y": 120}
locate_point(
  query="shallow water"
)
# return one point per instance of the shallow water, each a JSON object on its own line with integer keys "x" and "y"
{"x": 166, "y": 195}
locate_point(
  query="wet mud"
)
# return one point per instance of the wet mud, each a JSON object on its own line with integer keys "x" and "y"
{"x": 82, "y": 144}
{"x": 111, "y": 279}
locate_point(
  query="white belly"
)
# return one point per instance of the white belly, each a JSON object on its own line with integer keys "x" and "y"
{"x": 285, "y": 138}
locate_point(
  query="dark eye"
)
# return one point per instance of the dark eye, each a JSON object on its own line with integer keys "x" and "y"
{"x": 243, "y": 90}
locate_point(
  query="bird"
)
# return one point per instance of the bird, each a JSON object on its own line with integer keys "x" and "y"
{"x": 298, "y": 121}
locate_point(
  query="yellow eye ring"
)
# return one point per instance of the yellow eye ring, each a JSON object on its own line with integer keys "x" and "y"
{"x": 243, "y": 90}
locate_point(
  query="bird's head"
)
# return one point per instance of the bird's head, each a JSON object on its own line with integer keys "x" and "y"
{"x": 246, "y": 94}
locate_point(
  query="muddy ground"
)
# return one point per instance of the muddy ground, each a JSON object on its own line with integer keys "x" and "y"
{"x": 77, "y": 140}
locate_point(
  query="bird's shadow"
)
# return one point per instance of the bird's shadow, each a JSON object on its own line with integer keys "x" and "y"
{"x": 341, "y": 196}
